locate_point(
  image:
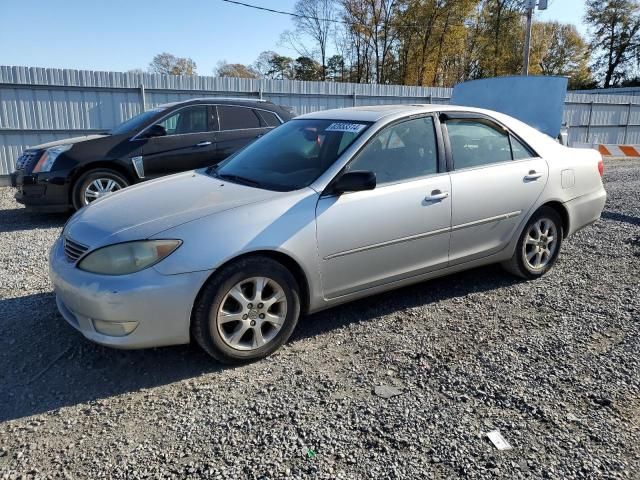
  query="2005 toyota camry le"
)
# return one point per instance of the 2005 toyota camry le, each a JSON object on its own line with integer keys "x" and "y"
{"x": 329, "y": 207}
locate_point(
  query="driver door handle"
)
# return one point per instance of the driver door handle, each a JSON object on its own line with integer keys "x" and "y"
{"x": 436, "y": 196}
{"x": 203, "y": 144}
{"x": 532, "y": 175}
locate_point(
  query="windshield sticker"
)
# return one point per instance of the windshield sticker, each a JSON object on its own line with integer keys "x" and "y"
{"x": 345, "y": 127}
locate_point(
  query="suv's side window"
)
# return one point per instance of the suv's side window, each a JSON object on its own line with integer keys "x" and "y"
{"x": 237, "y": 118}
{"x": 475, "y": 143}
{"x": 269, "y": 119}
{"x": 187, "y": 120}
{"x": 401, "y": 151}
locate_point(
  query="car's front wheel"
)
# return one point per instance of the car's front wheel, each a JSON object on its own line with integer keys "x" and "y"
{"x": 95, "y": 184}
{"x": 538, "y": 246}
{"x": 247, "y": 310}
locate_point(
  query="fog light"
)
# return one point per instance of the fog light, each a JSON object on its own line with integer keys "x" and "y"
{"x": 114, "y": 329}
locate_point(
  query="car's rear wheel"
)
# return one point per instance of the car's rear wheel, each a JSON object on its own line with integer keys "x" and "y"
{"x": 247, "y": 310}
{"x": 95, "y": 184}
{"x": 538, "y": 246}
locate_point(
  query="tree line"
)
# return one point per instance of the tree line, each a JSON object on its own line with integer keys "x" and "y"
{"x": 441, "y": 43}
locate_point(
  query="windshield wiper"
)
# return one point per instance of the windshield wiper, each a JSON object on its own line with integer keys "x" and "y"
{"x": 238, "y": 179}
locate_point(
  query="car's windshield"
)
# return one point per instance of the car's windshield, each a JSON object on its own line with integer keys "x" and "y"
{"x": 291, "y": 156}
{"x": 134, "y": 123}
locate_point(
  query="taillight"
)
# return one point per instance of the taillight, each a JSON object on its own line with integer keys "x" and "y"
{"x": 601, "y": 167}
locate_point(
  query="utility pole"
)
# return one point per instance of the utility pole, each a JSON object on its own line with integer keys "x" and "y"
{"x": 531, "y": 4}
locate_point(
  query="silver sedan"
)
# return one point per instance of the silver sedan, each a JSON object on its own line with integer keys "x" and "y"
{"x": 329, "y": 207}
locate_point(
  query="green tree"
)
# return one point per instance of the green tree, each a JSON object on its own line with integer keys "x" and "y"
{"x": 237, "y": 70}
{"x": 270, "y": 64}
{"x": 168, "y": 64}
{"x": 336, "y": 68}
{"x": 615, "y": 31}
{"x": 558, "y": 49}
{"x": 306, "y": 68}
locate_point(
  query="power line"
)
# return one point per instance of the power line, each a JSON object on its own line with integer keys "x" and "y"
{"x": 321, "y": 19}
{"x": 282, "y": 12}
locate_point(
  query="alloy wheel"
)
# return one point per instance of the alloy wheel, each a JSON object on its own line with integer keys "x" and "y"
{"x": 540, "y": 244}
{"x": 251, "y": 313}
{"x": 99, "y": 188}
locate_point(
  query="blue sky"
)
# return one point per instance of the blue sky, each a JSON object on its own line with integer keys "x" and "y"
{"x": 122, "y": 35}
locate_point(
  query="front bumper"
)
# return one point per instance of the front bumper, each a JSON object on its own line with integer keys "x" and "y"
{"x": 159, "y": 304}
{"x": 47, "y": 191}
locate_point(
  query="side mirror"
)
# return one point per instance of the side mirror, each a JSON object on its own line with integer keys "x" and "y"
{"x": 155, "y": 131}
{"x": 355, "y": 181}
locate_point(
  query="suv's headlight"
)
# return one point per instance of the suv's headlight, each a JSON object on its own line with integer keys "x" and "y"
{"x": 129, "y": 257}
{"x": 49, "y": 157}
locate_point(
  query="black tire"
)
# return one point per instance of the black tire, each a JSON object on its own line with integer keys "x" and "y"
{"x": 204, "y": 326}
{"x": 518, "y": 263}
{"x": 87, "y": 178}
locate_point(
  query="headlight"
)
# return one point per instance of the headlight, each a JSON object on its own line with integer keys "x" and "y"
{"x": 49, "y": 156}
{"x": 130, "y": 257}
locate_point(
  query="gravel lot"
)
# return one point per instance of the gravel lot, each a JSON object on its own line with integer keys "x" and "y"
{"x": 553, "y": 364}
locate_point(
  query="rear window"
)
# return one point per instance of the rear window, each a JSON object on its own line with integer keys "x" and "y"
{"x": 237, "y": 118}
{"x": 269, "y": 119}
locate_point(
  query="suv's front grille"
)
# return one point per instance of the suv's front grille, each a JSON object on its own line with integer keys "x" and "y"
{"x": 26, "y": 161}
{"x": 73, "y": 250}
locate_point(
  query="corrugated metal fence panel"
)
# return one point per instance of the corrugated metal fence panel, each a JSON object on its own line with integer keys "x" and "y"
{"x": 38, "y": 105}
{"x": 602, "y": 118}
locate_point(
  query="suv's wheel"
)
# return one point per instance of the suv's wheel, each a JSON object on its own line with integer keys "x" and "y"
{"x": 538, "y": 246}
{"x": 247, "y": 310}
{"x": 95, "y": 184}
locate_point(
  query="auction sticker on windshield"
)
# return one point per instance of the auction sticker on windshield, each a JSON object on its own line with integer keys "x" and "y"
{"x": 345, "y": 127}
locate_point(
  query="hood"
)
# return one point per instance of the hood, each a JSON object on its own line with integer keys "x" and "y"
{"x": 149, "y": 208}
{"x": 67, "y": 141}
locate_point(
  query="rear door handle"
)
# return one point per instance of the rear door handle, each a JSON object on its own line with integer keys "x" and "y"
{"x": 532, "y": 175}
{"x": 436, "y": 196}
{"x": 203, "y": 144}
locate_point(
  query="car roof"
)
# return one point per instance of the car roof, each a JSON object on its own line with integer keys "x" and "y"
{"x": 374, "y": 113}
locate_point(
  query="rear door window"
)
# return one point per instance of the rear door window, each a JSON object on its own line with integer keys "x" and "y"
{"x": 519, "y": 150}
{"x": 237, "y": 118}
{"x": 269, "y": 119}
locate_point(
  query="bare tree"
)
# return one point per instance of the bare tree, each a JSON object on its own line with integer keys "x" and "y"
{"x": 373, "y": 22}
{"x": 168, "y": 64}
{"x": 316, "y": 19}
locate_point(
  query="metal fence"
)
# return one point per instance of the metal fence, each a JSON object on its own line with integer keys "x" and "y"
{"x": 39, "y": 105}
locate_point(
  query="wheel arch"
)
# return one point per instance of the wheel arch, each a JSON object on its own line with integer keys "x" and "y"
{"x": 285, "y": 260}
{"x": 98, "y": 165}
{"x": 562, "y": 211}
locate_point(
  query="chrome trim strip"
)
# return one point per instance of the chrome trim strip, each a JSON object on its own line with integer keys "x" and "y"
{"x": 388, "y": 243}
{"x": 475, "y": 223}
{"x": 410, "y": 238}
{"x": 138, "y": 165}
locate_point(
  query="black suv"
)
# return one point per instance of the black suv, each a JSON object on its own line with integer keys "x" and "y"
{"x": 164, "y": 140}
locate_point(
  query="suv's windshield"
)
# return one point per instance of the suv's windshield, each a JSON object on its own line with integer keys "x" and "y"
{"x": 134, "y": 123}
{"x": 291, "y": 156}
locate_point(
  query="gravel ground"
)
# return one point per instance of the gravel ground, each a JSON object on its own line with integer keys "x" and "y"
{"x": 553, "y": 364}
